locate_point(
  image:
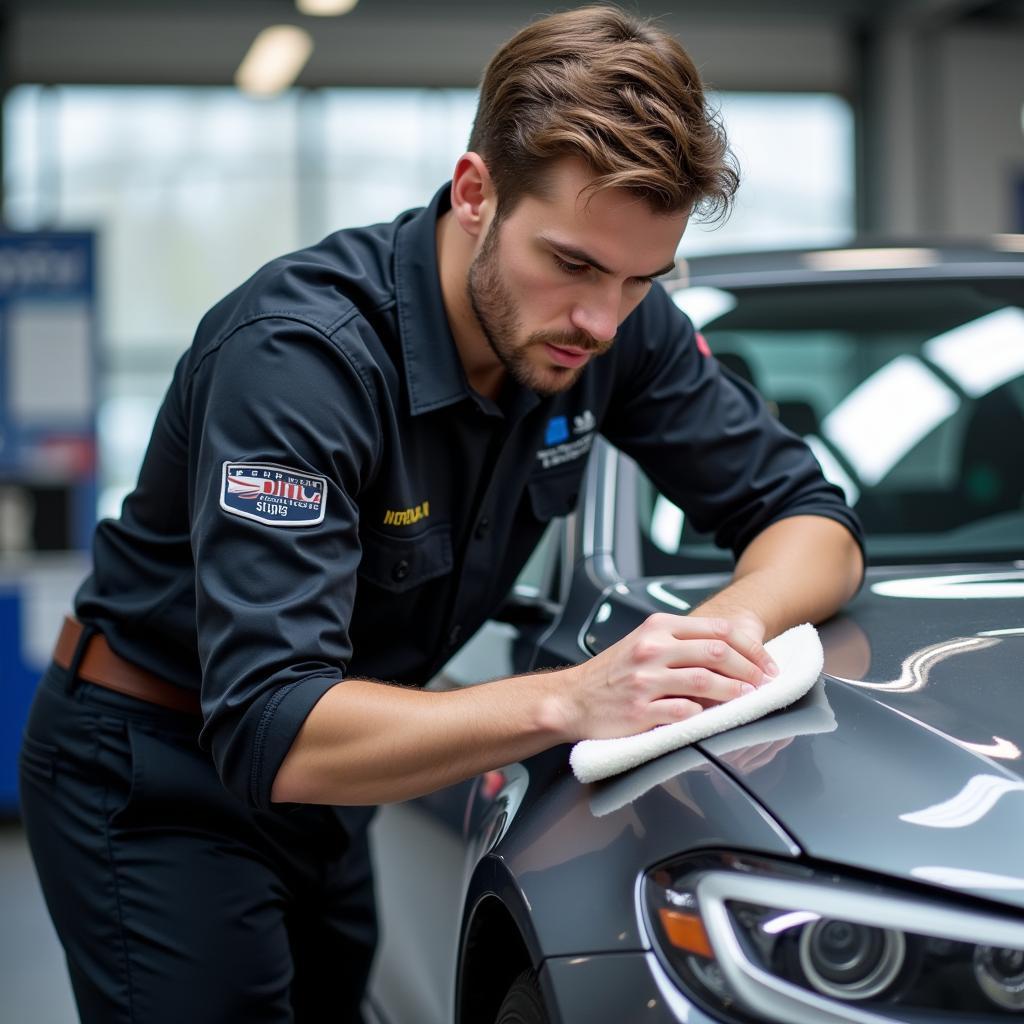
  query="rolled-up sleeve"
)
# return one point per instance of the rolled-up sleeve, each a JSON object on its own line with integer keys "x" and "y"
{"x": 706, "y": 438}
{"x": 274, "y": 597}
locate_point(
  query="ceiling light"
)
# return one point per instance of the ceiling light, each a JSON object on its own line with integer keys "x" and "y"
{"x": 324, "y": 8}
{"x": 274, "y": 60}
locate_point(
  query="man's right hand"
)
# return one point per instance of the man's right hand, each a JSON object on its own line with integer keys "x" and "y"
{"x": 668, "y": 669}
{"x": 367, "y": 743}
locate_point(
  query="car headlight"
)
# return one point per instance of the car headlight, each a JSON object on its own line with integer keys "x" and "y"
{"x": 757, "y": 939}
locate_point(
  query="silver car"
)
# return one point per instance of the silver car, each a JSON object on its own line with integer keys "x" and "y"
{"x": 857, "y": 857}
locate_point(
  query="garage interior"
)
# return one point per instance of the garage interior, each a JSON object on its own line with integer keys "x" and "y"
{"x": 923, "y": 100}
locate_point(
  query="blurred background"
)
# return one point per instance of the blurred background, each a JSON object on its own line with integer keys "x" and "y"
{"x": 155, "y": 153}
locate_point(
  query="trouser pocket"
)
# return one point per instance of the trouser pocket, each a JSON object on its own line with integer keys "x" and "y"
{"x": 37, "y": 760}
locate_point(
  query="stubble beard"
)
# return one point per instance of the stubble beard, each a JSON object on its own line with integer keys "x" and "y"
{"x": 496, "y": 313}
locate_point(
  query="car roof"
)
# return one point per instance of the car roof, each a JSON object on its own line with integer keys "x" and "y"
{"x": 999, "y": 256}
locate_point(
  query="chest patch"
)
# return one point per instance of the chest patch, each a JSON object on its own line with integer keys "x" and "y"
{"x": 560, "y": 445}
{"x": 271, "y": 494}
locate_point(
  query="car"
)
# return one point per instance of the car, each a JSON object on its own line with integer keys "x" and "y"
{"x": 856, "y": 857}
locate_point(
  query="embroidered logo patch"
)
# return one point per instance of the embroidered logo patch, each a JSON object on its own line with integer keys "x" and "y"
{"x": 560, "y": 449}
{"x": 271, "y": 494}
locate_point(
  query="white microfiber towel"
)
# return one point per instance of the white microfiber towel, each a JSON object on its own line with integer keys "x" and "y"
{"x": 814, "y": 715}
{"x": 800, "y": 658}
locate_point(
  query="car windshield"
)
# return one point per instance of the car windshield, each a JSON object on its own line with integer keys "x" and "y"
{"x": 909, "y": 393}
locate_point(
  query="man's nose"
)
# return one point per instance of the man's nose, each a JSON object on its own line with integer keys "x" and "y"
{"x": 598, "y": 316}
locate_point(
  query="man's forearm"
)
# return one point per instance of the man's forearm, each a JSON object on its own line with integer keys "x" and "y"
{"x": 369, "y": 743}
{"x": 801, "y": 569}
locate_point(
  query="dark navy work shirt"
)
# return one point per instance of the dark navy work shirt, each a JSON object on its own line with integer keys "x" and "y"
{"x": 325, "y": 496}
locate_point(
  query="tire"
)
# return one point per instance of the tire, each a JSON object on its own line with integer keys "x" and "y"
{"x": 523, "y": 1003}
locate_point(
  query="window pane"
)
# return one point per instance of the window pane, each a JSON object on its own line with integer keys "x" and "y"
{"x": 391, "y": 149}
{"x": 796, "y": 174}
{"x": 190, "y": 189}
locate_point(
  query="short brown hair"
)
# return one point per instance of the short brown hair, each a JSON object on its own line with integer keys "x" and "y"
{"x": 599, "y": 83}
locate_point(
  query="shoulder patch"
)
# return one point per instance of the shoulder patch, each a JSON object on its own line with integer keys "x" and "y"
{"x": 271, "y": 494}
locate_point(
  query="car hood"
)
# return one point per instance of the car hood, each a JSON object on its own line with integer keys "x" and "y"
{"x": 906, "y": 758}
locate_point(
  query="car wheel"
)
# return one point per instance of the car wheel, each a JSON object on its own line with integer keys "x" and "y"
{"x": 523, "y": 1003}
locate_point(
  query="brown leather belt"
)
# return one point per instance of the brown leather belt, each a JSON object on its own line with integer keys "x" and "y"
{"x": 100, "y": 665}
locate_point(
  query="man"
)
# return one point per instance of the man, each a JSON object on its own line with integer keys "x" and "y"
{"x": 351, "y": 465}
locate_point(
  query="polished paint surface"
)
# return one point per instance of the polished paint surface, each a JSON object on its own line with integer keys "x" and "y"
{"x": 576, "y": 850}
{"x": 916, "y": 768}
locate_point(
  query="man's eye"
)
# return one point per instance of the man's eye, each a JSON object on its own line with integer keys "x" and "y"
{"x": 570, "y": 268}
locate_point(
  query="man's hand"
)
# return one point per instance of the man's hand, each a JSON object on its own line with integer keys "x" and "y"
{"x": 667, "y": 669}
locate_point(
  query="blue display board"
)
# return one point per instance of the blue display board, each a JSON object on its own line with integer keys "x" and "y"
{"x": 48, "y": 368}
{"x": 48, "y": 389}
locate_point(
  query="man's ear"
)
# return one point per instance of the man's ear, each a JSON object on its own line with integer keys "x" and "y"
{"x": 473, "y": 198}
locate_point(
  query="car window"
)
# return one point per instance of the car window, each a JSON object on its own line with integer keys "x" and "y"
{"x": 911, "y": 396}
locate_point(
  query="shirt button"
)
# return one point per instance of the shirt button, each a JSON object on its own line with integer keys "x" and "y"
{"x": 483, "y": 528}
{"x": 400, "y": 570}
{"x": 454, "y": 635}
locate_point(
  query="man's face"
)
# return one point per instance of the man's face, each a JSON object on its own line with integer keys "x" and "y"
{"x": 552, "y": 280}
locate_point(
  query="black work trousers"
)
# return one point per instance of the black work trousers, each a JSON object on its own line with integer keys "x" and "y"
{"x": 173, "y": 900}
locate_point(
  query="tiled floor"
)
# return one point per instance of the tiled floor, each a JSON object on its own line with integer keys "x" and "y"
{"x": 33, "y": 979}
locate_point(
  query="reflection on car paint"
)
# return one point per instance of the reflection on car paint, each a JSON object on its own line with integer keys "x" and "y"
{"x": 492, "y": 805}
{"x": 999, "y": 748}
{"x": 917, "y": 667}
{"x": 621, "y": 790}
{"x": 971, "y": 804}
{"x": 954, "y": 588}
{"x": 1003, "y": 750}
{"x": 963, "y": 878}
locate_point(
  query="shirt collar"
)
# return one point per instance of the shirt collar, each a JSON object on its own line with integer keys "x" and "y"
{"x": 433, "y": 371}
{"x": 434, "y": 374}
